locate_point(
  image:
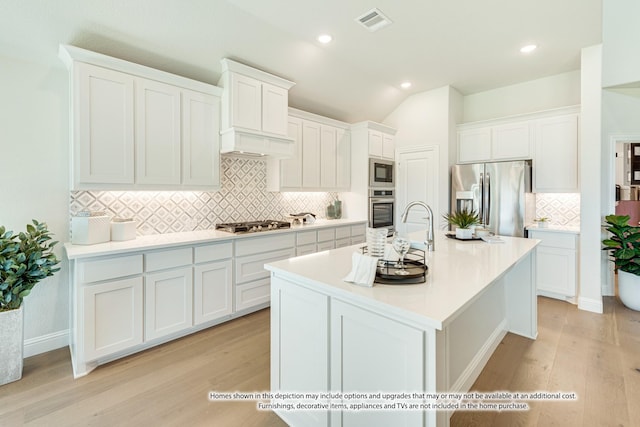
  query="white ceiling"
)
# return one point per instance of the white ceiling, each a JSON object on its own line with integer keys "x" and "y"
{"x": 472, "y": 45}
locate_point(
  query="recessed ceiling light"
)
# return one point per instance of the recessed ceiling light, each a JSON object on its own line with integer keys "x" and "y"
{"x": 324, "y": 38}
{"x": 405, "y": 85}
{"x": 528, "y": 48}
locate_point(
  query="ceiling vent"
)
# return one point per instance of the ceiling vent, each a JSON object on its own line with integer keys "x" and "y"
{"x": 373, "y": 20}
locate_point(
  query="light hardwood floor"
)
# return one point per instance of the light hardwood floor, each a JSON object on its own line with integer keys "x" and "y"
{"x": 597, "y": 356}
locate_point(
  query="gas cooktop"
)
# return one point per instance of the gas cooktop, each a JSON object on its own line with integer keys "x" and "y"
{"x": 252, "y": 226}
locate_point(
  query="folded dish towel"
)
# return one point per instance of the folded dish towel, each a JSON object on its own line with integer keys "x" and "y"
{"x": 363, "y": 270}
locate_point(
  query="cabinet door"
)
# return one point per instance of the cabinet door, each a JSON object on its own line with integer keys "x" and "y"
{"x": 556, "y": 270}
{"x": 474, "y": 145}
{"x": 168, "y": 302}
{"x": 200, "y": 139}
{"x": 103, "y": 140}
{"x": 375, "y": 143}
{"x": 246, "y": 102}
{"x": 275, "y": 109}
{"x": 291, "y": 169}
{"x": 157, "y": 133}
{"x": 112, "y": 317}
{"x": 328, "y": 156}
{"x": 343, "y": 160}
{"x": 388, "y": 146}
{"x": 511, "y": 141}
{"x": 213, "y": 285}
{"x": 555, "y": 167}
{"x": 361, "y": 342}
{"x": 300, "y": 346}
{"x": 310, "y": 154}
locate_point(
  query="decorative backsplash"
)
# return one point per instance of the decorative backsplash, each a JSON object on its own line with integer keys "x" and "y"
{"x": 243, "y": 197}
{"x": 560, "y": 208}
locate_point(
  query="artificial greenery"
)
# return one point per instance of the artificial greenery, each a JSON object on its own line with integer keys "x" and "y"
{"x": 624, "y": 244}
{"x": 25, "y": 259}
{"x": 462, "y": 219}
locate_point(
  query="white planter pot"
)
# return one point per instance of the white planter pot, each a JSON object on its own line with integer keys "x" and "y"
{"x": 464, "y": 233}
{"x": 11, "y": 349}
{"x": 629, "y": 289}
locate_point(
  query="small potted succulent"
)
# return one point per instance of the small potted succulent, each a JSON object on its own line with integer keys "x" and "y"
{"x": 542, "y": 221}
{"x": 463, "y": 220}
{"x": 25, "y": 259}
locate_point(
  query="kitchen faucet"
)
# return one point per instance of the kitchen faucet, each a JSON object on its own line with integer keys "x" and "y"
{"x": 430, "y": 243}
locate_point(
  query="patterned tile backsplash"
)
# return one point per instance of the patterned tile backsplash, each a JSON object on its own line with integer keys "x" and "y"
{"x": 560, "y": 208}
{"x": 243, "y": 197}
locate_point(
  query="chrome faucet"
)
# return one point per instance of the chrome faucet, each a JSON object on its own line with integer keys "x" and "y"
{"x": 430, "y": 243}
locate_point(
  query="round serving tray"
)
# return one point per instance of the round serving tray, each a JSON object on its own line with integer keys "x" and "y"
{"x": 386, "y": 274}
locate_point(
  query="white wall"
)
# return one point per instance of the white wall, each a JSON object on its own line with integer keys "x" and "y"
{"x": 620, "y": 39}
{"x": 429, "y": 118}
{"x": 34, "y": 139}
{"x": 547, "y": 93}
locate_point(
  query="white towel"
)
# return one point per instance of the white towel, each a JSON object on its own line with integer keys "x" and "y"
{"x": 363, "y": 270}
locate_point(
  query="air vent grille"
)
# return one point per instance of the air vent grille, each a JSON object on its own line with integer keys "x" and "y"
{"x": 373, "y": 20}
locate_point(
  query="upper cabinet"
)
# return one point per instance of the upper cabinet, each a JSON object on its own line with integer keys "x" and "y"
{"x": 379, "y": 139}
{"x": 550, "y": 138}
{"x": 321, "y": 158}
{"x": 509, "y": 141}
{"x": 136, "y": 128}
{"x": 555, "y": 166}
{"x": 254, "y": 111}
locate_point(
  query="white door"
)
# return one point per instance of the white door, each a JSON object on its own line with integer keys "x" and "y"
{"x": 417, "y": 179}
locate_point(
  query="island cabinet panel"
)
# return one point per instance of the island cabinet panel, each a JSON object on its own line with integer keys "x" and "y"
{"x": 300, "y": 332}
{"x": 362, "y": 342}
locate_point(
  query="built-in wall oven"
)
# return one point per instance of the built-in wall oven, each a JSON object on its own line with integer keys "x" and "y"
{"x": 381, "y": 209}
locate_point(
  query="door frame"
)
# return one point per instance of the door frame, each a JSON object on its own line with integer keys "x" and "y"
{"x": 416, "y": 149}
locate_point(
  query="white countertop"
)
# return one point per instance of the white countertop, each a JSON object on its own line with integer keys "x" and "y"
{"x": 158, "y": 241}
{"x": 458, "y": 273}
{"x": 555, "y": 228}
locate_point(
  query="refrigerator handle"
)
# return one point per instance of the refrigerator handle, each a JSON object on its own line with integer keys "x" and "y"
{"x": 487, "y": 201}
{"x": 480, "y": 208}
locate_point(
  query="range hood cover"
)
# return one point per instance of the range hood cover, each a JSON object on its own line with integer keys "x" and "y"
{"x": 247, "y": 143}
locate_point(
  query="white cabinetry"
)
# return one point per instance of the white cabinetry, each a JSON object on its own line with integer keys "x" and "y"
{"x": 378, "y": 138}
{"x": 110, "y": 297}
{"x": 555, "y": 168}
{"x": 212, "y": 282}
{"x": 556, "y": 269}
{"x": 510, "y": 141}
{"x": 321, "y": 159}
{"x": 103, "y": 126}
{"x": 168, "y": 293}
{"x": 251, "y": 279}
{"x": 254, "y": 111}
{"x": 132, "y": 125}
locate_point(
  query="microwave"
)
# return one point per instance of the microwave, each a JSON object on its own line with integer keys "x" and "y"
{"x": 381, "y": 173}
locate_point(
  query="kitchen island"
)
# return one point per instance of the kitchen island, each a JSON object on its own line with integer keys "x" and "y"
{"x": 332, "y": 336}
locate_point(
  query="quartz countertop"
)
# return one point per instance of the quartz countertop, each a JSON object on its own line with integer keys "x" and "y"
{"x": 158, "y": 241}
{"x": 556, "y": 228}
{"x": 458, "y": 273}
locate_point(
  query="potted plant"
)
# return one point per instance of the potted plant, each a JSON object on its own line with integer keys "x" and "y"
{"x": 463, "y": 220}
{"x": 542, "y": 221}
{"x": 25, "y": 259}
{"x": 624, "y": 247}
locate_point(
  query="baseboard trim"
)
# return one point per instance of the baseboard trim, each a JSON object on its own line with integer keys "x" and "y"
{"x": 590, "y": 304}
{"x": 44, "y": 343}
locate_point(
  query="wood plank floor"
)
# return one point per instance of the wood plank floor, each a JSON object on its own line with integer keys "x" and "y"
{"x": 597, "y": 356}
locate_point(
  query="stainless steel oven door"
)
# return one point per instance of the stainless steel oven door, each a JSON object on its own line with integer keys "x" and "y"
{"x": 381, "y": 174}
{"x": 381, "y": 211}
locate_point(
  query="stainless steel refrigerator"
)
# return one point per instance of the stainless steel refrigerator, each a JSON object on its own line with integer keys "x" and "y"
{"x": 500, "y": 192}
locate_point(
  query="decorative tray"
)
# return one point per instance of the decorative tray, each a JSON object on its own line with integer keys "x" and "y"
{"x": 386, "y": 273}
{"x": 453, "y": 236}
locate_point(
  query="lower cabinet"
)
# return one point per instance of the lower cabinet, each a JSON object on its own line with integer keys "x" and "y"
{"x": 212, "y": 291}
{"x": 168, "y": 302}
{"x": 113, "y": 317}
{"x": 557, "y": 264}
{"x": 320, "y": 343}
